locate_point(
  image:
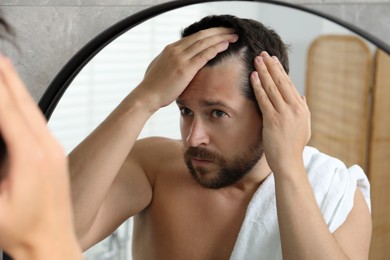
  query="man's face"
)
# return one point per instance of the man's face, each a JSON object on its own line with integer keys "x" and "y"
{"x": 220, "y": 128}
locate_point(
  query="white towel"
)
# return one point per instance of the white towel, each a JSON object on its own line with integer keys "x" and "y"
{"x": 334, "y": 188}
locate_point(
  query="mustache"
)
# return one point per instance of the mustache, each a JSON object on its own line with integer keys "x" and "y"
{"x": 201, "y": 153}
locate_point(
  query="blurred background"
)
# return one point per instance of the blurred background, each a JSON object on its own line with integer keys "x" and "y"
{"x": 50, "y": 32}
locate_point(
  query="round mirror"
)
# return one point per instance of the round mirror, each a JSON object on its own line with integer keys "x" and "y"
{"x": 93, "y": 83}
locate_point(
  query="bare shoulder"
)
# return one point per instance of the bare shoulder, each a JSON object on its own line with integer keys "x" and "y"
{"x": 157, "y": 143}
{"x": 155, "y": 154}
{"x": 355, "y": 234}
{"x": 156, "y": 149}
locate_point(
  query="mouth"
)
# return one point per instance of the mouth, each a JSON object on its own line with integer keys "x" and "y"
{"x": 200, "y": 161}
{"x": 201, "y": 158}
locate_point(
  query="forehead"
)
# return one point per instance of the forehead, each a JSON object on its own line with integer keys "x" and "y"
{"x": 222, "y": 81}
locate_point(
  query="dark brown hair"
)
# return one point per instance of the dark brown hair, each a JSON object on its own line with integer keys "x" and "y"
{"x": 5, "y": 29}
{"x": 253, "y": 38}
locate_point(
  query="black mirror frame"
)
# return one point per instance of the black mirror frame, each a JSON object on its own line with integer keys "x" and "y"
{"x": 62, "y": 80}
{"x": 60, "y": 83}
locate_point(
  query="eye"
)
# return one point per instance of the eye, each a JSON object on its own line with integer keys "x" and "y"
{"x": 218, "y": 113}
{"x": 185, "y": 111}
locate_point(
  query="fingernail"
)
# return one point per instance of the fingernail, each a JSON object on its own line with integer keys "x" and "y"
{"x": 255, "y": 76}
{"x": 225, "y": 45}
{"x": 275, "y": 59}
{"x": 264, "y": 54}
{"x": 259, "y": 60}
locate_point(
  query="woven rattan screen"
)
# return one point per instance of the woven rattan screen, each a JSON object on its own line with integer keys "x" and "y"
{"x": 337, "y": 91}
{"x": 379, "y": 159}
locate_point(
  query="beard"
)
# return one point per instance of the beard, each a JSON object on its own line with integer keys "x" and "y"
{"x": 227, "y": 172}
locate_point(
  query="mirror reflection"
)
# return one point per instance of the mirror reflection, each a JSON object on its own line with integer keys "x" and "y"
{"x": 330, "y": 65}
{"x": 120, "y": 66}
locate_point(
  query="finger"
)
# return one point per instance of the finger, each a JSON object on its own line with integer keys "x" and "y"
{"x": 269, "y": 85}
{"x": 18, "y": 90}
{"x": 203, "y": 57}
{"x": 13, "y": 126}
{"x": 262, "y": 98}
{"x": 188, "y": 41}
{"x": 288, "y": 79}
{"x": 203, "y": 39}
{"x": 23, "y": 102}
{"x": 205, "y": 43}
{"x": 25, "y": 129}
{"x": 280, "y": 77}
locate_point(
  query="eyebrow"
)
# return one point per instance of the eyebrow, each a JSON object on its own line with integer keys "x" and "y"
{"x": 207, "y": 103}
{"x": 179, "y": 101}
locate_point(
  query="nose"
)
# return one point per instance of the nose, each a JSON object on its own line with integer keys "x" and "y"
{"x": 198, "y": 134}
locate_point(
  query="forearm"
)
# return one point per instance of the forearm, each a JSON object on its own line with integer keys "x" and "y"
{"x": 303, "y": 231}
{"x": 95, "y": 162}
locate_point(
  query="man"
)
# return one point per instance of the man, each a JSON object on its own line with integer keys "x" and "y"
{"x": 243, "y": 126}
{"x": 36, "y": 219}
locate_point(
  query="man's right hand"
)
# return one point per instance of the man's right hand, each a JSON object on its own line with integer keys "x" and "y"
{"x": 173, "y": 69}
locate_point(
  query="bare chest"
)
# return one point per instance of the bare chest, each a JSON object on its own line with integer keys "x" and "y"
{"x": 188, "y": 222}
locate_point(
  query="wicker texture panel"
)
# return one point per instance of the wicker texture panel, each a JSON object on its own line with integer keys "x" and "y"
{"x": 337, "y": 91}
{"x": 379, "y": 159}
